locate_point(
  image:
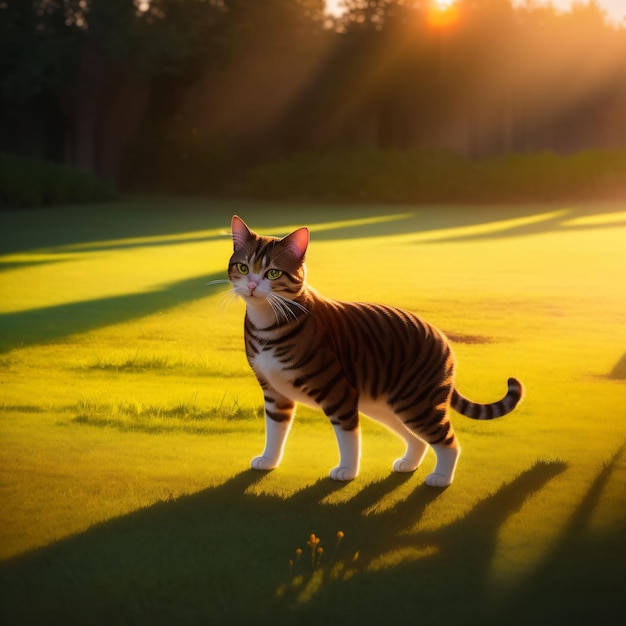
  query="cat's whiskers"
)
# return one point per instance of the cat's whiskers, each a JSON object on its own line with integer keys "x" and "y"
{"x": 284, "y": 306}
{"x": 225, "y": 299}
{"x": 275, "y": 309}
{"x": 289, "y": 302}
{"x": 279, "y": 307}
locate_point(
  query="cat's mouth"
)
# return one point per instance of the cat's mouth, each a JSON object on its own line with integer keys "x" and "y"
{"x": 253, "y": 294}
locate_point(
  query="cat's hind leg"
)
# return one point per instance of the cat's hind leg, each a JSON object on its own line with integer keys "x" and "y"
{"x": 438, "y": 431}
{"x": 433, "y": 426}
{"x": 415, "y": 449}
{"x": 413, "y": 455}
{"x": 447, "y": 458}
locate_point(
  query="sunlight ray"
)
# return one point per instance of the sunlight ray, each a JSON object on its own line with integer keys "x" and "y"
{"x": 603, "y": 219}
{"x": 400, "y": 556}
{"x": 487, "y": 228}
{"x": 128, "y": 242}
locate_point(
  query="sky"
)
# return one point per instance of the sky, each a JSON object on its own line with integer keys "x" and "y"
{"x": 615, "y": 9}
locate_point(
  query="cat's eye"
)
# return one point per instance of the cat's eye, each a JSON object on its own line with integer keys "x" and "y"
{"x": 274, "y": 274}
{"x": 242, "y": 269}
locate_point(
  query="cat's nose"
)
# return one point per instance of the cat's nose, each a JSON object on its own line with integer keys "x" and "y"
{"x": 252, "y": 286}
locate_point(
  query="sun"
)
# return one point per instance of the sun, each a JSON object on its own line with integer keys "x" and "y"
{"x": 442, "y": 13}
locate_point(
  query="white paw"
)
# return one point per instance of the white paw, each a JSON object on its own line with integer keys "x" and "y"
{"x": 343, "y": 473}
{"x": 438, "y": 480}
{"x": 262, "y": 463}
{"x": 403, "y": 465}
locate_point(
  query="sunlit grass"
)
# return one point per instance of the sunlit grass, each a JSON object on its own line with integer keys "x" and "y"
{"x": 126, "y": 393}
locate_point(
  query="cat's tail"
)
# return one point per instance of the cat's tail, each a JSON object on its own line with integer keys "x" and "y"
{"x": 478, "y": 411}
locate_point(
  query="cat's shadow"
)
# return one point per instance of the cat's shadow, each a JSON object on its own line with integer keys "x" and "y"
{"x": 227, "y": 549}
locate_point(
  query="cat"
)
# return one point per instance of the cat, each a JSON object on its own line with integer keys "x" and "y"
{"x": 346, "y": 358}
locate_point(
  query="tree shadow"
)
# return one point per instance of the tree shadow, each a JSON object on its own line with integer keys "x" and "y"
{"x": 140, "y": 218}
{"x": 328, "y": 223}
{"x": 590, "y": 593}
{"x": 421, "y": 220}
{"x": 169, "y": 219}
{"x": 389, "y": 220}
{"x": 63, "y": 253}
{"x": 220, "y": 556}
{"x": 553, "y": 222}
{"x": 619, "y": 369}
{"x": 8, "y": 266}
{"x": 49, "y": 324}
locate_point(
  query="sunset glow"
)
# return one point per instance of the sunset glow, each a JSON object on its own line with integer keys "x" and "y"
{"x": 443, "y": 13}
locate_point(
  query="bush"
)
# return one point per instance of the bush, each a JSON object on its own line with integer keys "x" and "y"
{"x": 423, "y": 176}
{"x": 26, "y": 183}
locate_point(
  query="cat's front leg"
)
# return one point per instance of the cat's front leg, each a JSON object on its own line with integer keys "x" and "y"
{"x": 341, "y": 406}
{"x": 349, "y": 442}
{"x": 278, "y": 420}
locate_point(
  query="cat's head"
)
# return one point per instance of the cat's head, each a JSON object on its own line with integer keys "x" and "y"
{"x": 268, "y": 268}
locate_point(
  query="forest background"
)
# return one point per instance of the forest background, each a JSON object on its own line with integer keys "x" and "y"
{"x": 193, "y": 95}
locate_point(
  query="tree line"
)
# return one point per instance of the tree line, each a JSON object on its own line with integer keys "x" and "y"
{"x": 187, "y": 93}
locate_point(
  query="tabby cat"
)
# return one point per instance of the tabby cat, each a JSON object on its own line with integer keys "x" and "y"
{"x": 346, "y": 357}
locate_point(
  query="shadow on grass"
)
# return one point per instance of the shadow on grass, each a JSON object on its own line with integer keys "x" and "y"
{"x": 48, "y": 324}
{"x": 170, "y": 218}
{"x": 71, "y": 227}
{"x": 591, "y": 593}
{"x": 110, "y": 227}
{"x": 365, "y": 221}
{"x": 559, "y": 222}
{"x": 619, "y": 370}
{"x": 134, "y": 218}
{"x": 221, "y": 556}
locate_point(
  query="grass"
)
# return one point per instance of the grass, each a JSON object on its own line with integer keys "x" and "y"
{"x": 128, "y": 417}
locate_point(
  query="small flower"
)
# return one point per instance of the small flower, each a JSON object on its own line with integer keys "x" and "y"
{"x": 340, "y": 536}
{"x": 320, "y": 550}
{"x": 297, "y": 559}
{"x": 312, "y": 543}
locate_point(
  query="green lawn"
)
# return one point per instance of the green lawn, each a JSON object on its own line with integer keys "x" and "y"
{"x": 128, "y": 417}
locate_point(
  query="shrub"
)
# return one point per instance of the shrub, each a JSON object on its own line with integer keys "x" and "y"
{"x": 26, "y": 182}
{"x": 429, "y": 176}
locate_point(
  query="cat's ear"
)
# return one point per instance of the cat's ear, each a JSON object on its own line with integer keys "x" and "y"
{"x": 241, "y": 233}
{"x": 297, "y": 242}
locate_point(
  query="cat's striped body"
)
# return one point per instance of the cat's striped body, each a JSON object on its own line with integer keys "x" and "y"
{"x": 346, "y": 357}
